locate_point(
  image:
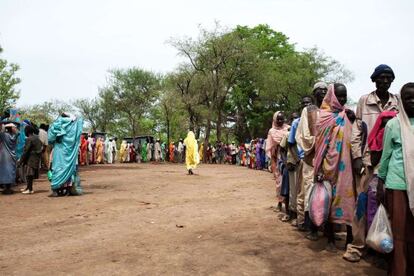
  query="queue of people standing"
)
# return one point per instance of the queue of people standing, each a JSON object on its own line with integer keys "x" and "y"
{"x": 363, "y": 158}
{"x": 97, "y": 150}
{"x": 26, "y": 148}
{"x": 366, "y": 159}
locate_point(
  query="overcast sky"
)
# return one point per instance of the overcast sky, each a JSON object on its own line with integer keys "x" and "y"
{"x": 65, "y": 47}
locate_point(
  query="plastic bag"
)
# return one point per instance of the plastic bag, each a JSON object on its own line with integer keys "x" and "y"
{"x": 320, "y": 202}
{"x": 49, "y": 175}
{"x": 372, "y": 205}
{"x": 380, "y": 235}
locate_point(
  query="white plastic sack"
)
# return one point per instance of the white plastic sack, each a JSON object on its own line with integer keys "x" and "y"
{"x": 380, "y": 234}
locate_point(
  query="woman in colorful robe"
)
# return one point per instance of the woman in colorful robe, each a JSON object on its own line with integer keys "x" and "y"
{"x": 144, "y": 152}
{"x": 83, "y": 150}
{"x": 332, "y": 161}
{"x": 132, "y": 153}
{"x": 123, "y": 151}
{"x": 99, "y": 153}
{"x": 171, "y": 151}
{"x": 201, "y": 151}
{"x": 149, "y": 151}
{"x": 259, "y": 150}
{"x": 274, "y": 137}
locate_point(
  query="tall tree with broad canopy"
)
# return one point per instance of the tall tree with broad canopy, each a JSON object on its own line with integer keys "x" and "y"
{"x": 134, "y": 92}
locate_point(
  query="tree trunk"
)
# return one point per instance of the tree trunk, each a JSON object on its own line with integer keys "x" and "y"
{"x": 219, "y": 122}
{"x": 208, "y": 129}
{"x": 191, "y": 124}
{"x": 197, "y": 132}
{"x": 168, "y": 132}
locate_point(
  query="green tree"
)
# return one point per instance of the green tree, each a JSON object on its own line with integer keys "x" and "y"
{"x": 90, "y": 111}
{"x": 274, "y": 76}
{"x": 214, "y": 60}
{"x": 45, "y": 112}
{"x": 9, "y": 94}
{"x": 134, "y": 91}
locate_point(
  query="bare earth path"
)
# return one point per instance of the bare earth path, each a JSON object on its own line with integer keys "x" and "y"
{"x": 145, "y": 219}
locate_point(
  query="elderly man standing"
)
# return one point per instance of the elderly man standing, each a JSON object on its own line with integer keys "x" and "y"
{"x": 368, "y": 109}
{"x": 305, "y": 138}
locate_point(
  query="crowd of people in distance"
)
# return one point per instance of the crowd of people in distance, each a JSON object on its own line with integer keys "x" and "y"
{"x": 362, "y": 160}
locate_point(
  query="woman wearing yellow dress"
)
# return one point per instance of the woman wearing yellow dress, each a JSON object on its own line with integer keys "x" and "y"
{"x": 123, "y": 151}
{"x": 191, "y": 153}
{"x": 201, "y": 151}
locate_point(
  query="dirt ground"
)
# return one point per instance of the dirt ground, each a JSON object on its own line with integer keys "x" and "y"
{"x": 145, "y": 219}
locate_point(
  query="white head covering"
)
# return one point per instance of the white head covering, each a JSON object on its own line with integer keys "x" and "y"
{"x": 407, "y": 138}
{"x": 321, "y": 85}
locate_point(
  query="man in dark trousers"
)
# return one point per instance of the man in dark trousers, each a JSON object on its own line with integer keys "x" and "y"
{"x": 31, "y": 157}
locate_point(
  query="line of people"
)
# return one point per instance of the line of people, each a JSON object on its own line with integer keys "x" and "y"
{"x": 360, "y": 159}
{"x": 25, "y": 149}
{"x": 97, "y": 150}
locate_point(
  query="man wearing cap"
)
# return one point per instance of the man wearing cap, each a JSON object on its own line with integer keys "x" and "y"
{"x": 368, "y": 109}
{"x": 305, "y": 138}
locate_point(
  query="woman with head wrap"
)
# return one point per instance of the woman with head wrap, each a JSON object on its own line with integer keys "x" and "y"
{"x": 127, "y": 152}
{"x": 201, "y": 151}
{"x": 144, "y": 152}
{"x": 149, "y": 151}
{"x": 259, "y": 144}
{"x": 99, "y": 149}
{"x": 64, "y": 134}
{"x": 83, "y": 150}
{"x": 274, "y": 137}
{"x": 192, "y": 158}
{"x": 107, "y": 150}
{"x": 396, "y": 170}
{"x": 333, "y": 159}
{"x": 8, "y": 159}
{"x": 123, "y": 151}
